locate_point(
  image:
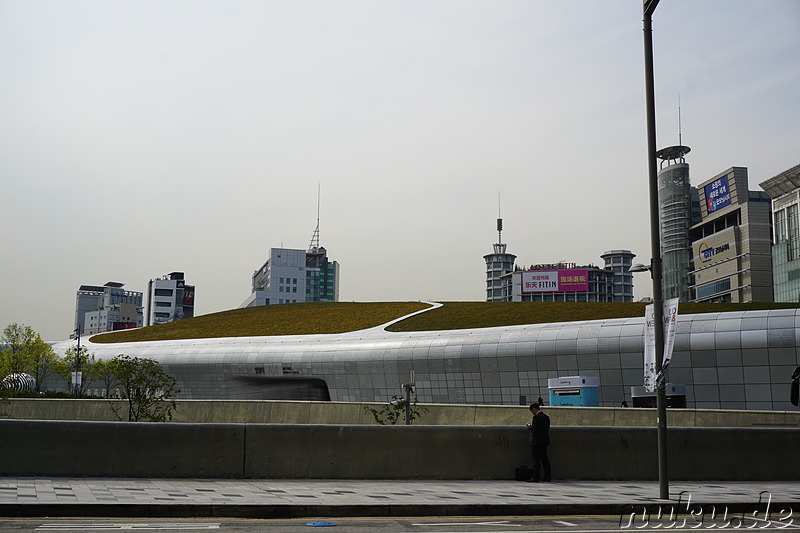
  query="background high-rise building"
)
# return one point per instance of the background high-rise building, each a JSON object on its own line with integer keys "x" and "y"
{"x": 785, "y": 192}
{"x": 676, "y": 216}
{"x": 559, "y": 282}
{"x": 292, "y": 276}
{"x": 109, "y": 308}
{"x": 498, "y": 264}
{"x": 619, "y": 262}
{"x": 731, "y": 241}
{"x": 169, "y": 299}
{"x": 322, "y": 276}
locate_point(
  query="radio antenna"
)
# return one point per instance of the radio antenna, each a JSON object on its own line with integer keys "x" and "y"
{"x": 314, "y": 245}
{"x": 499, "y": 222}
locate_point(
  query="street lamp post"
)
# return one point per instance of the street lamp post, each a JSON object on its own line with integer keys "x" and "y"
{"x": 655, "y": 250}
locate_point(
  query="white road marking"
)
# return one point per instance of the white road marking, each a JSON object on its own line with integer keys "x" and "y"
{"x": 565, "y": 523}
{"x": 495, "y": 523}
{"x": 124, "y": 527}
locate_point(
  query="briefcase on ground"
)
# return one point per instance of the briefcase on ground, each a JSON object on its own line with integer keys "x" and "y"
{"x": 523, "y": 473}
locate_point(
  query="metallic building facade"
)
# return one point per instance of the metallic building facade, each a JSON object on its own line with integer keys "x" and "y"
{"x": 675, "y": 217}
{"x": 736, "y": 360}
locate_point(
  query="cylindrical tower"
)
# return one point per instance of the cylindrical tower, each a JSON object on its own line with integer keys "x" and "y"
{"x": 675, "y": 216}
{"x": 498, "y": 264}
{"x": 619, "y": 262}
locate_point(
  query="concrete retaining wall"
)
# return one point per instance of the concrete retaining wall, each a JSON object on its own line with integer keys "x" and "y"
{"x": 122, "y": 449}
{"x": 296, "y": 412}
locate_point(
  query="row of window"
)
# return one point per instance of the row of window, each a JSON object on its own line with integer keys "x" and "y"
{"x": 786, "y": 230}
{"x": 713, "y": 288}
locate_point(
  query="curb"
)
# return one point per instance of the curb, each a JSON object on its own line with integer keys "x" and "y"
{"x": 155, "y": 510}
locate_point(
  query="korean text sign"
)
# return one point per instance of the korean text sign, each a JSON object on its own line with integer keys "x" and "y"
{"x": 718, "y": 194}
{"x": 555, "y": 281}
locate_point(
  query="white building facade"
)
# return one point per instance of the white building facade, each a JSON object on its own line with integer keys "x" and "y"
{"x": 169, "y": 299}
{"x": 293, "y": 276}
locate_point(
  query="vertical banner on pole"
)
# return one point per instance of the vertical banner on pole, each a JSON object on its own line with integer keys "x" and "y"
{"x": 670, "y": 321}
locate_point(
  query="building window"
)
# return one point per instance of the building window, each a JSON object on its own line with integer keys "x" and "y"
{"x": 163, "y": 304}
{"x": 792, "y": 231}
{"x": 780, "y": 226}
{"x": 713, "y": 288}
{"x": 163, "y": 292}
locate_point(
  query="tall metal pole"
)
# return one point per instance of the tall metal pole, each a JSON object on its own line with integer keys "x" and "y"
{"x": 77, "y": 363}
{"x": 655, "y": 250}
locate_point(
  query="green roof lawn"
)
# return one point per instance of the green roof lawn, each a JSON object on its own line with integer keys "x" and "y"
{"x": 467, "y": 315}
{"x": 286, "y": 319}
{"x": 340, "y": 317}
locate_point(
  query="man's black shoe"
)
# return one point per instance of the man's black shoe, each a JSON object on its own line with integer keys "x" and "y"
{"x": 532, "y": 480}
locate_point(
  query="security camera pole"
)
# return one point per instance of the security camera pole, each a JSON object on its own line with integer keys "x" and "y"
{"x": 655, "y": 246}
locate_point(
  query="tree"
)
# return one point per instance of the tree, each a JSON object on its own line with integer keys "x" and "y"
{"x": 396, "y": 410}
{"x": 149, "y": 390}
{"x": 106, "y": 373}
{"x": 78, "y": 360}
{"x": 42, "y": 362}
{"x": 18, "y": 340}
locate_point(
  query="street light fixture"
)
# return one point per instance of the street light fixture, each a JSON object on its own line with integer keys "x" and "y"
{"x": 655, "y": 247}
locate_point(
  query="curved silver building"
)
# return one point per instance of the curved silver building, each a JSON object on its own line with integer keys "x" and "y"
{"x": 738, "y": 360}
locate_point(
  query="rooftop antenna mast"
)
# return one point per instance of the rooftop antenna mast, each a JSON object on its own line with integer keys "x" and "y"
{"x": 680, "y": 140}
{"x": 499, "y": 222}
{"x": 314, "y": 245}
{"x": 499, "y": 248}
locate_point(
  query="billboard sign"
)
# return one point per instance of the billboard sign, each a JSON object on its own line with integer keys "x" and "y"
{"x": 718, "y": 194}
{"x": 555, "y": 281}
{"x": 188, "y": 296}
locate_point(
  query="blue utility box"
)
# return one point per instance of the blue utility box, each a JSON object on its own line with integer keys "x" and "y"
{"x": 576, "y": 391}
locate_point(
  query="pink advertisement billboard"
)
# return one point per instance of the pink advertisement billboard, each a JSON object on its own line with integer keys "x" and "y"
{"x": 555, "y": 281}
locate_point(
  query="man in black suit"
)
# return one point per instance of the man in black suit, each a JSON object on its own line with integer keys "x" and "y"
{"x": 539, "y": 439}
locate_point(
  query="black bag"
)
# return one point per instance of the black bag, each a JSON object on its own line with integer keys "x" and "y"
{"x": 523, "y": 473}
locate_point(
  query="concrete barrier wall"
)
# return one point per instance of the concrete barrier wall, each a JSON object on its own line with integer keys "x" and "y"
{"x": 122, "y": 449}
{"x": 296, "y": 412}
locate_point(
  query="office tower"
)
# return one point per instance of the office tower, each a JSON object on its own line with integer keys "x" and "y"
{"x": 675, "y": 218}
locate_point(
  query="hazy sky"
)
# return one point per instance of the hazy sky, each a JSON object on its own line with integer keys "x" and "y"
{"x": 141, "y": 138}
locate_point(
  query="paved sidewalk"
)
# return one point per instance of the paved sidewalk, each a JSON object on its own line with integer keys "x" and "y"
{"x": 96, "y": 497}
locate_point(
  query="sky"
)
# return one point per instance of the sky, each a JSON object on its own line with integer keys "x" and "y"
{"x": 142, "y": 138}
